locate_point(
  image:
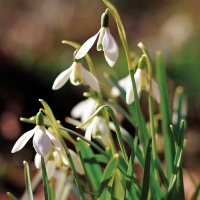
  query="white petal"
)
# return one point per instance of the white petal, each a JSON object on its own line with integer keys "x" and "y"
{"x": 54, "y": 139}
{"x": 64, "y": 157}
{"x": 86, "y": 47}
{"x": 90, "y": 79}
{"x": 104, "y": 131}
{"x": 123, "y": 83}
{"x": 78, "y": 109}
{"x": 41, "y": 142}
{"x": 100, "y": 39}
{"x": 77, "y": 162}
{"x": 84, "y": 109}
{"x": 88, "y": 133}
{"x": 110, "y": 62}
{"x": 62, "y": 78}
{"x": 156, "y": 92}
{"x": 20, "y": 143}
{"x": 137, "y": 78}
{"x": 50, "y": 167}
{"x": 110, "y": 48}
{"x": 129, "y": 94}
{"x": 37, "y": 161}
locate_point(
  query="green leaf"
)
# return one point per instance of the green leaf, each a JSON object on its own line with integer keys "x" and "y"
{"x": 179, "y": 107}
{"x": 11, "y": 196}
{"x": 28, "y": 181}
{"x": 145, "y": 185}
{"x": 92, "y": 167}
{"x": 117, "y": 128}
{"x": 126, "y": 136}
{"x": 129, "y": 192}
{"x": 49, "y": 113}
{"x": 45, "y": 180}
{"x": 169, "y": 147}
{"x": 107, "y": 175}
{"x": 177, "y": 185}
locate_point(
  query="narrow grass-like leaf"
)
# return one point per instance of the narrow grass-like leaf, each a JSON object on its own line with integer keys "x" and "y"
{"x": 145, "y": 185}
{"x": 11, "y": 196}
{"x": 107, "y": 175}
{"x": 49, "y": 113}
{"x": 88, "y": 182}
{"x": 45, "y": 180}
{"x": 177, "y": 185}
{"x": 174, "y": 175}
{"x": 126, "y": 136}
{"x": 92, "y": 168}
{"x": 169, "y": 148}
{"x": 179, "y": 107}
{"x": 196, "y": 193}
{"x": 28, "y": 181}
{"x": 129, "y": 175}
{"x": 117, "y": 129}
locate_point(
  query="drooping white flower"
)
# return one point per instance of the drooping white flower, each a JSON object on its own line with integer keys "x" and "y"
{"x": 84, "y": 109}
{"x": 142, "y": 83}
{"x": 106, "y": 42}
{"x": 98, "y": 129}
{"x": 58, "y": 159}
{"x": 77, "y": 74}
{"x": 42, "y": 138}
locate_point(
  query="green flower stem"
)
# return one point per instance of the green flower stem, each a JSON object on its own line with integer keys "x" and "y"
{"x": 153, "y": 135}
{"x": 151, "y": 113}
{"x": 52, "y": 189}
{"x": 82, "y": 197}
{"x": 99, "y": 93}
{"x": 118, "y": 132}
{"x": 169, "y": 147}
{"x": 122, "y": 35}
{"x": 27, "y": 181}
{"x": 100, "y": 150}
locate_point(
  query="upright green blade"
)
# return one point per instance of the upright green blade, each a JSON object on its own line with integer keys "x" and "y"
{"x": 91, "y": 166}
{"x": 28, "y": 181}
{"x": 145, "y": 185}
{"x": 45, "y": 180}
{"x": 169, "y": 147}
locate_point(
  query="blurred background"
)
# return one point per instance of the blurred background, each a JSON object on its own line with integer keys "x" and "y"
{"x": 32, "y": 55}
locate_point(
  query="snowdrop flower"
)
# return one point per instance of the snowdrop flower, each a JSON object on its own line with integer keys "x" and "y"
{"x": 142, "y": 83}
{"x": 84, "y": 109}
{"x": 77, "y": 74}
{"x": 58, "y": 159}
{"x": 98, "y": 129}
{"x": 105, "y": 42}
{"x": 42, "y": 138}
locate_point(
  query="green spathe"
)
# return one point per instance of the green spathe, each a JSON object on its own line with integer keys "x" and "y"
{"x": 40, "y": 119}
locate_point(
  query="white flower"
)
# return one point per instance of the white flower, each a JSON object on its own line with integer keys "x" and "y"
{"x": 105, "y": 42}
{"x": 142, "y": 83}
{"x": 42, "y": 138}
{"x": 98, "y": 129}
{"x": 77, "y": 74}
{"x": 57, "y": 159}
{"x": 41, "y": 141}
{"x": 84, "y": 109}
